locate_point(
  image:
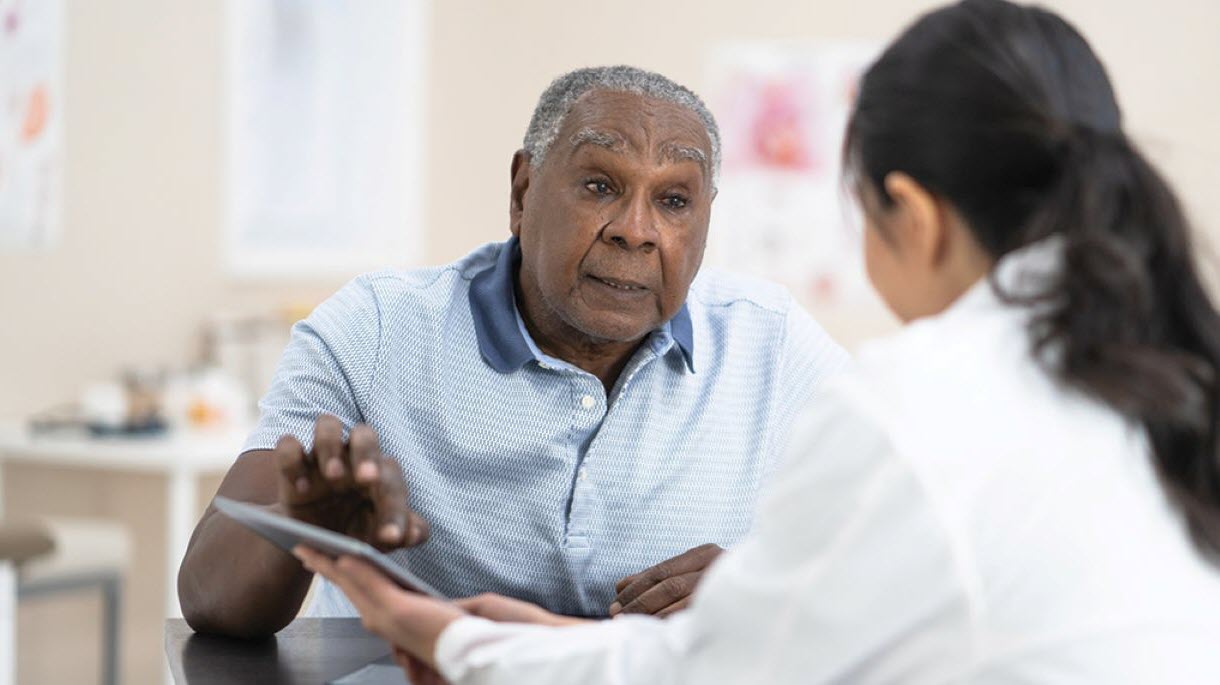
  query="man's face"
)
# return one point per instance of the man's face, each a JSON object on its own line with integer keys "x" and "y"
{"x": 614, "y": 222}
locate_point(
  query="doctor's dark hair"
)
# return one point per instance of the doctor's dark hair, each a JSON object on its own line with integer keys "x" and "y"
{"x": 1005, "y": 112}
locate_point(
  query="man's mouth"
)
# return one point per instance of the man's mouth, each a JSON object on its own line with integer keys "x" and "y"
{"x": 624, "y": 285}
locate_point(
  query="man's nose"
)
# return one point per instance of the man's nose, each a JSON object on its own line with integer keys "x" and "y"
{"x": 634, "y": 226}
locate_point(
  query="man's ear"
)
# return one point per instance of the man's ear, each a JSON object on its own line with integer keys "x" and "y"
{"x": 520, "y": 182}
{"x": 916, "y": 219}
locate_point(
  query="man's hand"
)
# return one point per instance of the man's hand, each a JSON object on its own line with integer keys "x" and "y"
{"x": 666, "y": 587}
{"x": 349, "y": 487}
{"x": 234, "y": 583}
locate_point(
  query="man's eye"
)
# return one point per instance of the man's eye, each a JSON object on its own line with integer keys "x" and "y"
{"x": 674, "y": 201}
{"x": 598, "y": 187}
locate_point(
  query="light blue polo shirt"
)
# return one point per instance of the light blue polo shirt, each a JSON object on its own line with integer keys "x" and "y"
{"x": 536, "y": 483}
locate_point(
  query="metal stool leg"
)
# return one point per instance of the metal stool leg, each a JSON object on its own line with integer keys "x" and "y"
{"x": 111, "y": 585}
{"x": 8, "y": 623}
{"x": 112, "y": 595}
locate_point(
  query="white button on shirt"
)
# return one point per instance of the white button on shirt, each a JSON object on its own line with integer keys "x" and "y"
{"x": 948, "y": 513}
{"x": 587, "y": 402}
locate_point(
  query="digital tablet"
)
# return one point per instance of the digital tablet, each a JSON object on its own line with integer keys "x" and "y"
{"x": 287, "y": 533}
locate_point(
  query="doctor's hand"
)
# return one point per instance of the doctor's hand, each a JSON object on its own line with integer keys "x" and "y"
{"x": 666, "y": 587}
{"x": 409, "y": 621}
{"x": 347, "y": 486}
{"x": 503, "y": 609}
{"x": 418, "y": 673}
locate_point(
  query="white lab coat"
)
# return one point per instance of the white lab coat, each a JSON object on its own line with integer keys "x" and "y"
{"x": 948, "y": 513}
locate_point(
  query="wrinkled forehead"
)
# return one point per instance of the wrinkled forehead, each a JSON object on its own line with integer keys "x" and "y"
{"x": 627, "y": 123}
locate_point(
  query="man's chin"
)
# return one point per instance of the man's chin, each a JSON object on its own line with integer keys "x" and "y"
{"x": 615, "y": 332}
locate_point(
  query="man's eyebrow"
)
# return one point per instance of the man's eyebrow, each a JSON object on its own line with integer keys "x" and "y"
{"x": 676, "y": 152}
{"x": 670, "y": 152}
{"x": 607, "y": 139}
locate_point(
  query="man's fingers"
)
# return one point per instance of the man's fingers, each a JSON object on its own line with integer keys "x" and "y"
{"x": 328, "y": 448}
{"x": 695, "y": 559}
{"x": 662, "y": 594}
{"x": 365, "y": 454}
{"x": 295, "y": 478}
{"x": 418, "y": 530}
{"x": 390, "y": 503}
{"x": 674, "y": 608}
{"x": 691, "y": 561}
{"x": 705, "y": 554}
{"x": 397, "y": 525}
{"x": 622, "y": 584}
{"x": 640, "y": 583}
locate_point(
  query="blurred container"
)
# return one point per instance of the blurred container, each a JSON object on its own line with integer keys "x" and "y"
{"x": 208, "y": 398}
{"x": 247, "y": 348}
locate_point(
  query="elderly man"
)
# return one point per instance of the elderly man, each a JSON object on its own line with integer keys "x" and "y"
{"x": 569, "y": 417}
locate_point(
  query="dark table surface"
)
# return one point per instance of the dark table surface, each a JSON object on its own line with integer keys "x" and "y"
{"x": 309, "y": 650}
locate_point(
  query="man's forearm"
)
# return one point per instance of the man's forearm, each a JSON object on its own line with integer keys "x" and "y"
{"x": 233, "y": 582}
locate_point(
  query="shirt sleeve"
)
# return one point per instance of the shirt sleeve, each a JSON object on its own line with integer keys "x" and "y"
{"x": 849, "y": 575}
{"x": 811, "y": 357}
{"x": 327, "y": 368}
{"x": 810, "y": 361}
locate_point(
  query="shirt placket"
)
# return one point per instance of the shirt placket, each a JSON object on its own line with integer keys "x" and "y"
{"x": 579, "y": 545}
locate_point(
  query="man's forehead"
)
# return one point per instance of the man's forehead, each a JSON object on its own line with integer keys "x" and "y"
{"x": 620, "y": 121}
{"x": 628, "y": 116}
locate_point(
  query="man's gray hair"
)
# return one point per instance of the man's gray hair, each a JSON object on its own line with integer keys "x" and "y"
{"x": 558, "y": 98}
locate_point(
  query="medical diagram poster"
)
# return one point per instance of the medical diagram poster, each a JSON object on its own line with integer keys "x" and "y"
{"x": 782, "y": 211}
{"x": 31, "y": 123}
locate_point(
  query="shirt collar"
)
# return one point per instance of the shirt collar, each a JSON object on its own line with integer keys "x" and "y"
{"x": 683, "y": 333}
{"x": 504, "y": 343}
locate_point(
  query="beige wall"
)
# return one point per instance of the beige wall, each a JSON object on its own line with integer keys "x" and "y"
{"x": 138, "y": 267}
